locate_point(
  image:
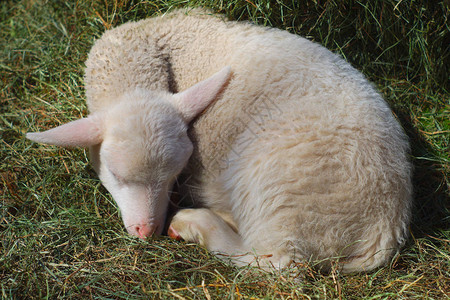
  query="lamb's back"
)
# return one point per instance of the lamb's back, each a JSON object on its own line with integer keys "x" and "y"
{"x": 273, "y": 71}
{"x": 275, "y": 74}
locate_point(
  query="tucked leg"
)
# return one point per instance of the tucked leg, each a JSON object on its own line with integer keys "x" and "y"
{"x": 208, "y": 229}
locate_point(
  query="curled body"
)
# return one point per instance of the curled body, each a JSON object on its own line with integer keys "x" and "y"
{"x": 288, "y": 151}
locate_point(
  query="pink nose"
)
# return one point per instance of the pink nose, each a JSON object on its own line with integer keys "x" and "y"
{"x": 143, "y": 230}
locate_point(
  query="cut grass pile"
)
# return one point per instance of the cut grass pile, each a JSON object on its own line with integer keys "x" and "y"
{"x": 61, "y": 235}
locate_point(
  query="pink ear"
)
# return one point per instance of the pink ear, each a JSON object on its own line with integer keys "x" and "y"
{"x": 80, "y": 133}
{"x": 195, "y": 99}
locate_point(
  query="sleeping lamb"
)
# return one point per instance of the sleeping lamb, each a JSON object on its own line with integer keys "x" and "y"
{"x": 290, "y": 152}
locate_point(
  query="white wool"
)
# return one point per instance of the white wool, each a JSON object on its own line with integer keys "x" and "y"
{"x": 296, "y": 158}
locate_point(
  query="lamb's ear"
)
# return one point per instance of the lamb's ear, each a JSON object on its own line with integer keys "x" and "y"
{"x": 80, "y": 133}
{"x": 195, "y": 99}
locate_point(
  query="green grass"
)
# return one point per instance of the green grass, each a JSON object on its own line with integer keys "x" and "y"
{"x": 61, "y": 235}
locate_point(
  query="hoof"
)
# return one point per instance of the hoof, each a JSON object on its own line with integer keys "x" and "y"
{"x": 172, "y": 233}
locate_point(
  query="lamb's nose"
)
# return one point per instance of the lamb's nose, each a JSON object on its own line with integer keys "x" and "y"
{"x": 144, "y": 230}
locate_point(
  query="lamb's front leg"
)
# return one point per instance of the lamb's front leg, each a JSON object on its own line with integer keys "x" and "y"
{"x": 208, "y": 229}
{"x": 217, "y": 233}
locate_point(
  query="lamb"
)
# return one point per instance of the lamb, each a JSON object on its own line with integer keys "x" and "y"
{"x": 289, "y": 152}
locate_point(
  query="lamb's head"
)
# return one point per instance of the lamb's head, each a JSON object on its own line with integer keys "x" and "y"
{"x": 139, "y": 146}
{"x": 144, "y": 147}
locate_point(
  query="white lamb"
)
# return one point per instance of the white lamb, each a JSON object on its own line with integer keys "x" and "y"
{"x": 292, "y": 154}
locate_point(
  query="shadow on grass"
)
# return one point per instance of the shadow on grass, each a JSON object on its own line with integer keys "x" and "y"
{"x": 431, "y": 196}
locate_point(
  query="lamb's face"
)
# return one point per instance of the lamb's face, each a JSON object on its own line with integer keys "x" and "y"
{"x": 139, "y": 146}
{"x": 145, "y": 147}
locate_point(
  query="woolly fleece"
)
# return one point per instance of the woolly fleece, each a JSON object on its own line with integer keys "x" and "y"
{"x": 297, "y": 157}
